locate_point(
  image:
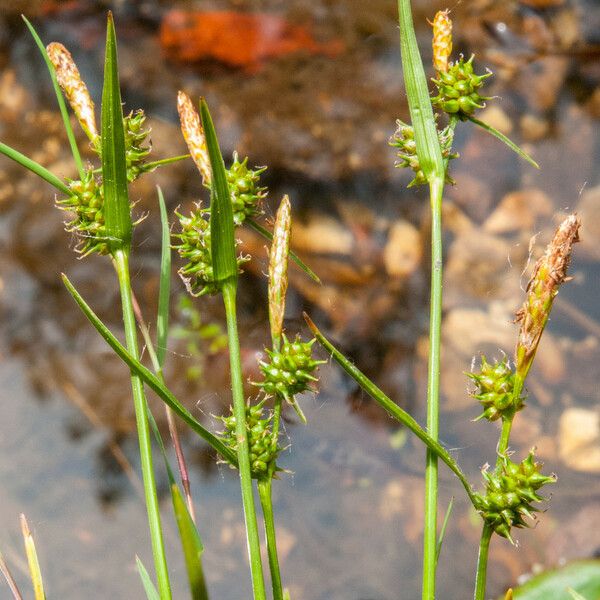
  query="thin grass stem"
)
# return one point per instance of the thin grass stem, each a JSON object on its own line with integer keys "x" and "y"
{"x": 121, "y": 263}
{"x": 229, "y": 289}
{"x": 482, "y": 560}
{"x": 266, "y": 501}
{"x": 433, "y": 392}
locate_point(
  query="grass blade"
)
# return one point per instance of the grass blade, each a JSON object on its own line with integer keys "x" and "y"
{"x": 575, "y": 595}
{"x": 419, "y": 102}
{"x": 59, "y": 97}
{"x": 188, "y": 533}
{"x": 222, "y": 238}
{"x": 492, "y": 131}
{"x": 389, "y": 406}
{"x": 149, "y": 378}
{"x": 269, "y": 236}
{"x": 164, "y": 292}
{"x": 443, "y": 530}
{"x": 32, "y": 560}
{"x": 191, "y": 543}
{"x": 34, "y": 167}
{"x": 151, "y": 593}
{"x": 114, "y": 167}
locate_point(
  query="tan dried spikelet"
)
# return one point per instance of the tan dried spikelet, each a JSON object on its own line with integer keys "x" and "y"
{"x": 278, "y": 265}
{"x": 442, "y": 40}
{"x": 549, "y": 272}
{"x": 74, "y": 88}
{"x": 193, "y": 134}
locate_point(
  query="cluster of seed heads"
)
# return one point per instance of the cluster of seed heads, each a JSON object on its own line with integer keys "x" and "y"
{"x": 137, "y": 146}
{"x": 86, "y": 203}
{"x": 195, "y": 248}
{"x": 510, "y": 492}
{"x": 246, "y": 193}
{"x": 289, "y": 371}
{"x": 262, "y": 441}
{"x": 458, "y": 89}
{"x": 404, "y": 140}
{"x": 495, "y": 390}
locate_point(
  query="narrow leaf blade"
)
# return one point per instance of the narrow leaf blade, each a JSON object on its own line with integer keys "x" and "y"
{"x": 149, "y": 378}
{"x": 164, "y": 293}
{"x": 59, "y": 97}
{"x": 151, "y": 593}
{"x": 34, "y": 167}
{"x": 419, "y": 103}
{"x": 221, "y": 212}
{"x": 443, "y": 530}
{"x": 114, "y": 167}
{"x": 191, "y": 544}
{"x": 492, "y": 131}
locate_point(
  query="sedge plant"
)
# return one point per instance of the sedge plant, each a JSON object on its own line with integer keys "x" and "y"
{"x": 100, "y": 210}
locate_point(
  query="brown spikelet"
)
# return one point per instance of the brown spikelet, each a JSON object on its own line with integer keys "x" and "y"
{"x": 74, "y": 88}
{"x": 278, "y": 264}
{"x": 442, "y": 40}
{"x": 194, "y": 136}
{"x": 549, "y": 272}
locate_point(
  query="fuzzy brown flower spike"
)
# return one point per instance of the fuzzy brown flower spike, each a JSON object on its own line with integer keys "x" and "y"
{"x": 442, "y": 40}
{"x": 74, "y": 88}
{"x": 194, "y": 136}
{"x": 548, "y": 274}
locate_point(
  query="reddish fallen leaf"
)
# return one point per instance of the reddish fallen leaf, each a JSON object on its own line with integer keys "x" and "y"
{"x": 236, "y": 39}
{"x": 50, "y": 7}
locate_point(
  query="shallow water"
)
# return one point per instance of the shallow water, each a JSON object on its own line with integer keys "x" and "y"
{"x": 349, "y": 513}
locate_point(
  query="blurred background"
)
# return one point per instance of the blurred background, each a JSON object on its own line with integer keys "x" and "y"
{"x": 311, "y": 89}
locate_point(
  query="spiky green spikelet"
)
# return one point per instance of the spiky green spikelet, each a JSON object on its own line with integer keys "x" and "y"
{"x": 194, "y": 246}
{"x": 262, "y": 441}
{"x": 137, "y": 147}
{"x": 495, "y": 390}
{"x": 458, "y": 89}
{"x": 246, "y": 193}
{"x": 289, "y": 371}
{"x": 404, "y": 140}
{"x": 87, "y": 203}
{"x": 510, "y": 492}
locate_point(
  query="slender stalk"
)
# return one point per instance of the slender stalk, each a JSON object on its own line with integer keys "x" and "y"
{"x": 121, "y": 263}
{"x": 157, "y": 366}
{"x": 239, "y": 410}
{"x": 433, "y": 391}
{"x": 482, "y": 560}
{"x": 266, "y": 501}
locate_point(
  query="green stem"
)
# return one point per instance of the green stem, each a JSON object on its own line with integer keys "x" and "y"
{"x": 266, "y": 501}
{"x": 239, "y": 411}
{"x": 482, "y": 560}
{"x": 121, "y": 263}
{"x": 433, "y": 391}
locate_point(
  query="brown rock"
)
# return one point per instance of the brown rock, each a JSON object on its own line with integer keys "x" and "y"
{"x": 533, "y": 127}
{"x": 403, "y": 252}
{"x": 519, "y": 210}
{"x": 589, "y": 210}
{"x": 579, "y": 439}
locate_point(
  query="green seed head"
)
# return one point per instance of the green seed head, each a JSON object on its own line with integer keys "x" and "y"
{"x": 262, "y": 441}
{"x": 86, "y": 202}
{"x": 289, "y": 371}
{"x": 246, "y": 193}
{"x": 136, "y": 147}
{"x": 458, "y": 89}
{"x": 404, "y": 140}
{"x": 194, "y": 247}
{"x": 510, "y": 492}
{"x": 495, "y": 389}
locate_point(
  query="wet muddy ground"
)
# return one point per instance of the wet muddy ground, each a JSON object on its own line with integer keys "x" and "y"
{"x": 319, "y": 113}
